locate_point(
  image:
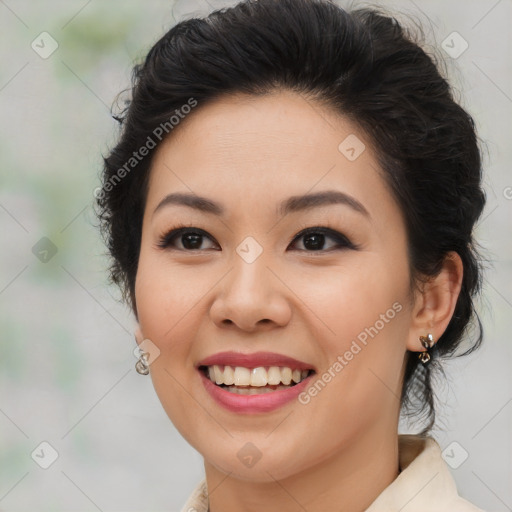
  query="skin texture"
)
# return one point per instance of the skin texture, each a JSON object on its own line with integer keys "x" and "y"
{"x": 340, "y": 450}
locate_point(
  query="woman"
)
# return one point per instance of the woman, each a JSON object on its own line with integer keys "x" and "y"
{"x": 289, "y": 210}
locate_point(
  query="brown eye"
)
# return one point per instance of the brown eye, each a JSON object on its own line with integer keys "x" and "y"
{"x": 316, "y": 239}
{"x": 185, "y": 239}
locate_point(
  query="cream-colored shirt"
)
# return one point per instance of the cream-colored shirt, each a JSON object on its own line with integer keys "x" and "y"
{"x": 425, "y": 483}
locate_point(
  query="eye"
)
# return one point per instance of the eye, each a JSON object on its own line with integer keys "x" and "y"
{"x": 185, "y": 239}
{"x": 315, "y": 239}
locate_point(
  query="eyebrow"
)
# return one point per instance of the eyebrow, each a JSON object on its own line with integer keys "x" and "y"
{"x": 290, "y": 205}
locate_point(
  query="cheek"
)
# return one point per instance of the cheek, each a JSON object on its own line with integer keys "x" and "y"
{"x": 168, "y": 305}
{"x": 166, "y": 295}
{"x": 352, "y": 297}
{"x": 364, "y": 321}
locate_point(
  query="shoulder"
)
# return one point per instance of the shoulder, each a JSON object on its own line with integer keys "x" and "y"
{"x": 461, "y": 505}
{"x": 425, "y": 483}
{"x": 198, "y": 500}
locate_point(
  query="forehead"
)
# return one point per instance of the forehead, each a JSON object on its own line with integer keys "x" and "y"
{"x": 265, "y": 148}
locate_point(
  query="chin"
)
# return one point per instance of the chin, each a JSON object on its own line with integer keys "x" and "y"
{"x": 249, "y": 459}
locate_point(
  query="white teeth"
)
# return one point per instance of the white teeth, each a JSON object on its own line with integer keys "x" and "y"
{"x": 256, "y": 377}
{"x": 219, "y": 375}
{"x": 286, "y": 376}
{"x": 274, "y": 376}
{"x": 229, "y": 375}
{"x": 242, "y": 376}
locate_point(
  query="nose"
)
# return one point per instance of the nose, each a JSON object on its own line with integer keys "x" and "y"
{"x": 251, "y": 298}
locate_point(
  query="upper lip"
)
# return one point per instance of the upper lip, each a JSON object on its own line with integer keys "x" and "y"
{"x": 254, "y": 360}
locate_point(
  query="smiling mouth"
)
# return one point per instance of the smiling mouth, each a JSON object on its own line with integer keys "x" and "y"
{"x": 254, "y": 381}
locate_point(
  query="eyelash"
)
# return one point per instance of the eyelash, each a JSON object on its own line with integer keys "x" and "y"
{"x": 342, "y": 241}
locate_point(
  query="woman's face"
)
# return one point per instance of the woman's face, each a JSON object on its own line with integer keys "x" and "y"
{"x": 241, "y": 278}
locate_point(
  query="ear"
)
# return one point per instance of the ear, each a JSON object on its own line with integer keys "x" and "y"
{"x": 435, "y": 302}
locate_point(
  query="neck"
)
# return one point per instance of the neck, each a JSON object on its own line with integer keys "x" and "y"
{"x": 349, "y": 480}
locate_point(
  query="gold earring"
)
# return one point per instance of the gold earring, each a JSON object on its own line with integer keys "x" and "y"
{"x": 428, "y": 342}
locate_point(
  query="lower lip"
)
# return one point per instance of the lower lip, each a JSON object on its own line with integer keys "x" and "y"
{"x": 253, "y": 403}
